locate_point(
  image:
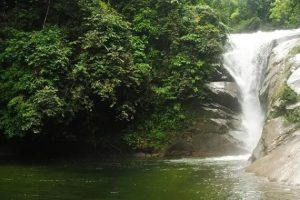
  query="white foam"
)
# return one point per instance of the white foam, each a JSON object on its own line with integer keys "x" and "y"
{"x": 211, "y": 159}
{"x": 245, "y": 60}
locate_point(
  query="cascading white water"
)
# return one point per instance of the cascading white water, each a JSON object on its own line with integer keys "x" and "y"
{"x": 245, "y": 59}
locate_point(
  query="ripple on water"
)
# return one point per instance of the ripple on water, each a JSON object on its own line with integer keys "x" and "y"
{"x": 177, "y": 179}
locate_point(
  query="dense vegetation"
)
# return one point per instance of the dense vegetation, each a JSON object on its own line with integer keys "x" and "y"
{"x": 103, "y": 73}
{"x": 85, "y": 70}
{"x": 286, "y": 12}
{"x": 251, "y": 15}
{"x": 287, "y": 106}
{"x": 243, "y": 15}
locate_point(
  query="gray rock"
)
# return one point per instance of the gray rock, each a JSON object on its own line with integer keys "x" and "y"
{"x": 221, "y": 74}
{"x": 225, "y": 93}
{"x": 276, "y": 73}
{"x": 210, "y": 133}
{"x": 293, "y": 106}
{"x": 282, "y": 164}
{"x": 275, "y": 130}
{"x": 277, "y": 154}
{"x": 294, "y": 80}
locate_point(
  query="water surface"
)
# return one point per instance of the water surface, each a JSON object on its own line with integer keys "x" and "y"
{"x": 182, "y": 179}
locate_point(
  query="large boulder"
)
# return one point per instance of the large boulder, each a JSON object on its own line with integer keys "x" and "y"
{"x": 221, "y": 74}
{"x": 274, "y": 132}
{"x": 282, "y": 164}
{"x": 225, "y": 93}
{"x": 212, "y": 133}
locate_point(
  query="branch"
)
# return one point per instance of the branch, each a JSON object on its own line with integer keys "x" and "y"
{"x": 47, "y": 12}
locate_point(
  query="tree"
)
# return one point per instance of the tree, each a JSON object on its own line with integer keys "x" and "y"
{"x": 286, "y": 12}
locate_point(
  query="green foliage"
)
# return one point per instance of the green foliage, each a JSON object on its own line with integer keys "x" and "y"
{"x": 111, "y": 64}
{"x": 295, "y": 50}
{"x": 290, "y": 97}
{"x": 88, "y": 69}
{"x": 286, "y": 12}
{"x": 183, "y": 44}
{"x": 287, "y": 97}
{"x": 20, "y": 117}
{"x": 157, "y": 129}
{"x": 30, "y": 81}
{"x": 251, "y": 24}
{"x": 293, "y": 116}
{"x": 243, "y": 15}
{"x": 251, "y": 15}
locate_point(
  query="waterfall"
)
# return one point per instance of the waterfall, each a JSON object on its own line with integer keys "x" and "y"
{"x": 245, "y": 60}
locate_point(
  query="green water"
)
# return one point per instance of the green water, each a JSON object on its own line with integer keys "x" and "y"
{"x": 184, "y": 179}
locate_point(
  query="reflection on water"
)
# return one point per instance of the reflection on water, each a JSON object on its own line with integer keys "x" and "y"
{"x": 181, "y": 179}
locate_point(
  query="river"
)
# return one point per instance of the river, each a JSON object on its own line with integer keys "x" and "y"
{"x": 132, "y": 179}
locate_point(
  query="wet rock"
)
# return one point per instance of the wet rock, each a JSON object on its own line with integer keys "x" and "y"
{"x": 293, "y": 106}
{"x": 139, "y": 155}
{"x": 294, "y": 80}
{"x": 206, "y": 145}
{"x": 274, "y": 132}
{"x": 221, "y": 74}
{"x": 210, "y": 133}
{"x": 225, "y": 93}
{"x": 282, "y": 164}
{"x": 278, "y": 69}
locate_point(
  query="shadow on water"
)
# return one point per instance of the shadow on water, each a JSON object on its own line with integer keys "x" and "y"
{"x": 130, "y": 179}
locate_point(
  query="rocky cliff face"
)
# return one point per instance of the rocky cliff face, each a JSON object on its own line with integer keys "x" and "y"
{"x": 214, "y": 123}
{"x": 277, "y": 154}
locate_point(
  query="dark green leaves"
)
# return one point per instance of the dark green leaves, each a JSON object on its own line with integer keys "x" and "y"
{"x": 95, "y": 67}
